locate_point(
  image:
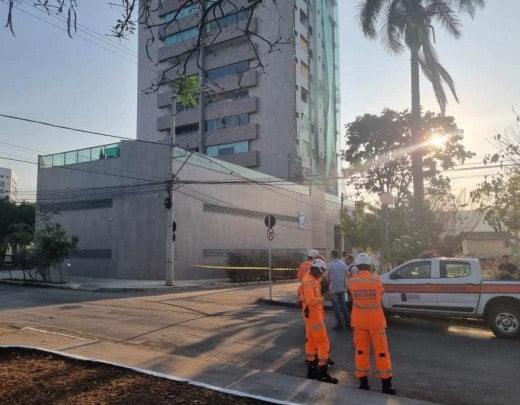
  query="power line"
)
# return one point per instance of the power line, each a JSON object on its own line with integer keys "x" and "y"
{"x": 81, "y": 37}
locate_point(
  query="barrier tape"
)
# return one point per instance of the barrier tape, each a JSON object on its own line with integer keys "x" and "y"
{"x": 204, "y": 266}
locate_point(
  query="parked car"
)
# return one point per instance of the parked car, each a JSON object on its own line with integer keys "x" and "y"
{"x": 453, "y": 287}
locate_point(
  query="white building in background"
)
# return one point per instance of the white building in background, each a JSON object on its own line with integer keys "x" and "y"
{"x": 283, "y": 121}
{"x": 8, "y": 184}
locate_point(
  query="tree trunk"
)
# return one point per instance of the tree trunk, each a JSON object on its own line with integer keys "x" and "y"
{"x": 417, "y": 155}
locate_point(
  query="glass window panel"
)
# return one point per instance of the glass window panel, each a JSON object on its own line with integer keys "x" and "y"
{"x": 71, "y": 157}
{"x": 184, "y": 12}
{"x": 97, "y": 153}
{"x": 181, "y": 36}
{"x": 58, "y": 159}
{"x": 112, "y": 151}
{"x": 84, "y": 155}
{"x": 45, "y": 161}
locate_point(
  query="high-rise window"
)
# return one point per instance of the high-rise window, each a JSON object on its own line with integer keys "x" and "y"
{"x": 189, "y": 129}
{"x": 180, "y": 36}
{"x": 304, "y": 44}
{"x": 183, "y": 12}
{"x": 229, "y": 70}
{"x": 227, "y": 148}
{"x": 304, "y": 70}
{"x": 230, "y": 19}
{"x": 227, "y": 122}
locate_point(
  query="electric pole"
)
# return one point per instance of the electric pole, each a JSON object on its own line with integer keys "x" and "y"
{"x": 169, "y": 203}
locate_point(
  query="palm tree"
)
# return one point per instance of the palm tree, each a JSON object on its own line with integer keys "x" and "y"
{"x": 410, "y": 23}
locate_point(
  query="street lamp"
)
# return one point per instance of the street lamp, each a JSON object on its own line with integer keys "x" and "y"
{"x": 386, "y": 199}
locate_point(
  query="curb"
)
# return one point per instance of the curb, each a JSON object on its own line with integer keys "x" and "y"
{"x": 151, "y": 373}
{"x": 327, "y": 305}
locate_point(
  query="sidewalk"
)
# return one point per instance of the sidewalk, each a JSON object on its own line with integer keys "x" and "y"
{"x": 263, "y": 384}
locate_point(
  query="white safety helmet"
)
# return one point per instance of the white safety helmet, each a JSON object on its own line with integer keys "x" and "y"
{"x": 312, "y": 253}
{"x": 319, "y": 264}
{"x": 363, "y": 258}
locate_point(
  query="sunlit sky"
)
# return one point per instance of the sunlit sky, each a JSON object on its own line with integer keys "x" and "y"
{"x": 90, "y": 81}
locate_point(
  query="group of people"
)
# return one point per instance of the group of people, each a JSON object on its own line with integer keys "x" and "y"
{"x": 364, "y": 314}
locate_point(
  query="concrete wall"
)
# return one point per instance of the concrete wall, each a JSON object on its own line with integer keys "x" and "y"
{"x": 485, "y": 248}
{"x": 127, "y": 238}
{"x": 124, "y": 237}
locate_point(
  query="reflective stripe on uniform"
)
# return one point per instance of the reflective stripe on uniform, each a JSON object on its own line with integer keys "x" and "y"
{"x": 363, "y": 370}
{"x": 317, "y": 326}
{"x": 367, "y": 307}
{"x": 364, "y": 280}
{"x": 384, "y": 372}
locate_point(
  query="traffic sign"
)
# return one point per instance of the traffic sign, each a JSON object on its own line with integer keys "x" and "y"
{"x": 270, "y": 221}
{"x": 270, "y": 233}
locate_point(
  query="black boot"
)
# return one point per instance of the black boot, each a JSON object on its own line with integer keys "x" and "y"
{"x": 330, "y": 362}
{"x": 363, "y": 383}
{"x": 387, "y": 388}
{"x": 324, "y": 376}
{"x": 312, "y": 370}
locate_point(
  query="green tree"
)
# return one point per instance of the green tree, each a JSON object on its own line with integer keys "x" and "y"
{"x": 361, "y": 227}
{"x": 410, "y": 23}
{"x": 378, "y": 151}
{"x": 17, "y": 219}
{"x": 498, "y": 195}
{"x": 51, "y": 246}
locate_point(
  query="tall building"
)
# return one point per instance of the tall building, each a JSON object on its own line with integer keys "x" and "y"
{"x": 8, "y": 184}
{"x": 282, "y": 120}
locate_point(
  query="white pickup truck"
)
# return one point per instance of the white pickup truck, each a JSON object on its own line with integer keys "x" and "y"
{"x": 453, "y": 287}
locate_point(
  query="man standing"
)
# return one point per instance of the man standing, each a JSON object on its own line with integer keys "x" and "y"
{"x": 352, "y": 270}
{"x": 336, "y": 277}
{"x": 317, "y": 345}
{"x": 369, "y": 323}
{"x": 304, "y": 269}
{"x": 507, "y": 270}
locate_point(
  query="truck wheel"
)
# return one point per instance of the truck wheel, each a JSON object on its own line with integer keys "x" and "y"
{"x": 504, "y": 320}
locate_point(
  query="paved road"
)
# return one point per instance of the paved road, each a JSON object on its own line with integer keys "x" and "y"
{"x": 436, "y": 360}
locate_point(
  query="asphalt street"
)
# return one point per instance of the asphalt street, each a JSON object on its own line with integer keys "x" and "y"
{"x": 446, "y": 361}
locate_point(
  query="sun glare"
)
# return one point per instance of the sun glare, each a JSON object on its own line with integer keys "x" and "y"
{"x": 438, "y": 141}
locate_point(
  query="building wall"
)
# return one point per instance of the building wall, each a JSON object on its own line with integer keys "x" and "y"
{"x": 126, "y": 237}
{"x": 285, "y": 134}
{"x": 485, "y": 248}
{"x": 110, "y": 205}
{"x": 8, "y": 184}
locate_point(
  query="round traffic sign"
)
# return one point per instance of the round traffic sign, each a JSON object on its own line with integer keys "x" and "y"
{"x": 270, "y": 221}
{"x": 270, "y": 233}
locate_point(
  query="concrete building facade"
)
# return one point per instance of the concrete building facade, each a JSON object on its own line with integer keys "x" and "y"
{"x": 8, "y": 184}
{"x": 282, "y": 120}
{"x": 112, "y": 198}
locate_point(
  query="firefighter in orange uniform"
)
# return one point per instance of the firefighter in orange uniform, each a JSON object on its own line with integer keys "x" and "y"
{"x": 317, "y": 340}
{"x": 304, "y": 269}
{"x": 369, "y": 323}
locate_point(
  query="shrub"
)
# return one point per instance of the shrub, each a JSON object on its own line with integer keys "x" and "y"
{"x": 287, "y": 260}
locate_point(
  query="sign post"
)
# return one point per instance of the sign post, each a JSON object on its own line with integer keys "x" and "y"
{"x": 270, "y": 221}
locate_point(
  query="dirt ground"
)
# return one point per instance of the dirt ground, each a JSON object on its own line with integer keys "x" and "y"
{"x": 34, "y": 377}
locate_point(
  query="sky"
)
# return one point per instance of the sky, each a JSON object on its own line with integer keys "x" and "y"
{"x": 90, "y": 81}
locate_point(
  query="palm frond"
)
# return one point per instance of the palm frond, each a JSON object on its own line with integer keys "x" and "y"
{"x": 429, "y": 63}
{"x": 368, "y": 16}
{"x": 395, "y": 26}
{"x": 470, "y": 6}
{"x": 448, "y": 80}
{"x": 442, "y": 11}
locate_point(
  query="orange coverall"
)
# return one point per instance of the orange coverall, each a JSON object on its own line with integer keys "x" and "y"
{"x": 304, "y": 269}
{"x": 369, "y": 323}
{"x": 317, "y": 340}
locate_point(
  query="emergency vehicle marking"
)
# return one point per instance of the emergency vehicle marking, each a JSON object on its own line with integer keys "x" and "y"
{"x": 452, "y": 288}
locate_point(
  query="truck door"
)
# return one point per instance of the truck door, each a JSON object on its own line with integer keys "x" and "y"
{"x": 457, "y": 291}
{"x": 410, "y": 287}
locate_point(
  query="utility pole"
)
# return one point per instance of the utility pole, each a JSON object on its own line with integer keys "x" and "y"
{"x": 169, "y": 202}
